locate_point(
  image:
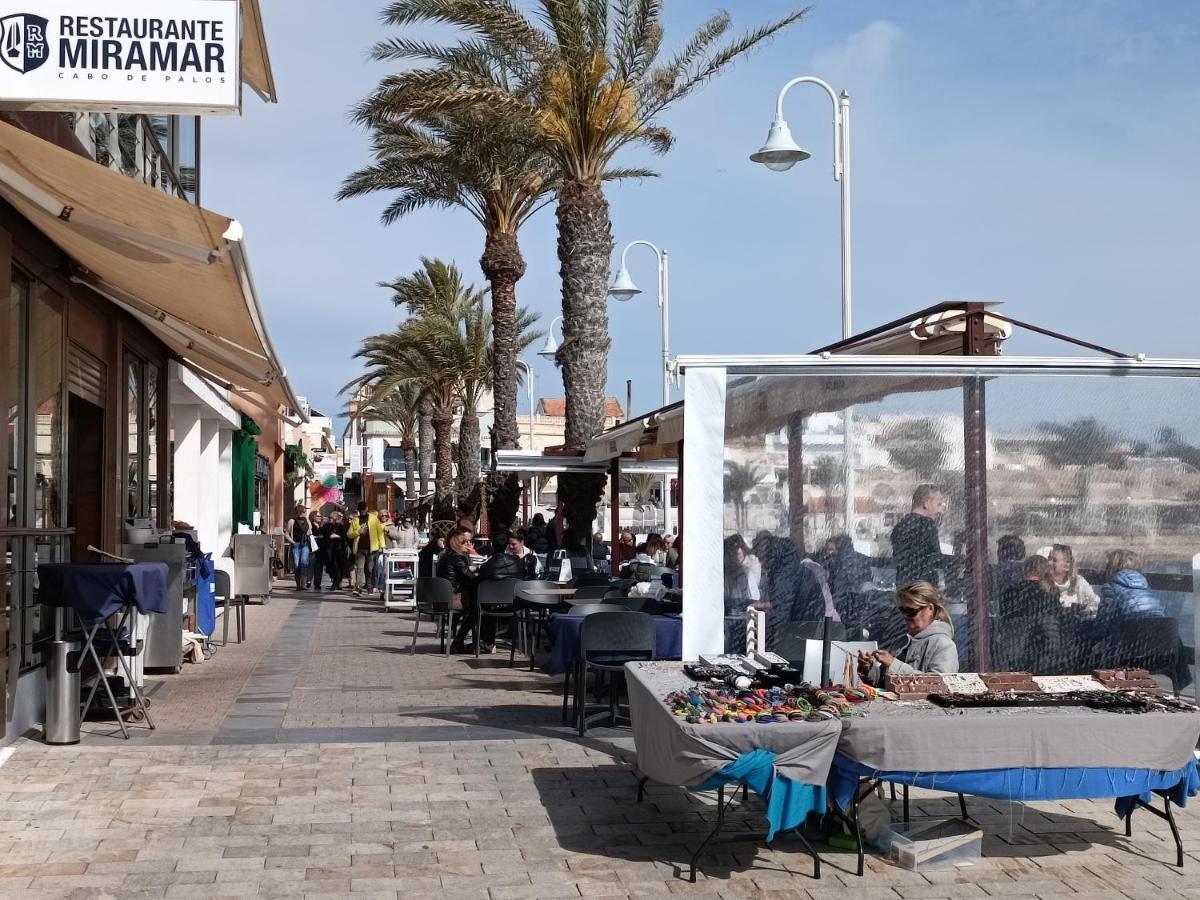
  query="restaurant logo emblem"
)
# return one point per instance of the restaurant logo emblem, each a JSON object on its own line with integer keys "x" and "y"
{"x": 23, "y": 43}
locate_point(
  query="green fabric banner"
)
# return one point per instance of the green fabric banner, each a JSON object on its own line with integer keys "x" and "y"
{"x": 245, "y": 449}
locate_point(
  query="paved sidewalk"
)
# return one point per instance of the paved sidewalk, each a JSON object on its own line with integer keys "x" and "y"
{"x": 319, "y": 758}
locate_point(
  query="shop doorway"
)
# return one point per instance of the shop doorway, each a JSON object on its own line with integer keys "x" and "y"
{"x": 85, "y": 475}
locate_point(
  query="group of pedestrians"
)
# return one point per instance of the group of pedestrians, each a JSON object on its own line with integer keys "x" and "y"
{"x": 345, "y": 549}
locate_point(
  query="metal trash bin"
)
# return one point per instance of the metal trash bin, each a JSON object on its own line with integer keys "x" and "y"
{"x": 62, "y": 693}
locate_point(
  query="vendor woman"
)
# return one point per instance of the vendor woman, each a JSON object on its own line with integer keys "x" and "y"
{"x": 930, "y": 648}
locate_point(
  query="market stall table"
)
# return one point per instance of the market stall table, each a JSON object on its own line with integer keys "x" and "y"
{"x": 786, "y": 763}
{"x": 1030, "y": 753}
{"x": 94, "y": 594}
{"x": 566, "y": 630}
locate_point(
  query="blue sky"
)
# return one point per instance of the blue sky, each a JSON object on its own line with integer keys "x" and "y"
{"x": 1039, "y": 152}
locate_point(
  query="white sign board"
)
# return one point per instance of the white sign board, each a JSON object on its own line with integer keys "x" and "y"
{"x": 133, "y": 56}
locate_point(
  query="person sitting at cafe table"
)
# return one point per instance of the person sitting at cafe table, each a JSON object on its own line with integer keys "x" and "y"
{"x": 1028, "y": 636}
{"x": 1074, "y": 592}
{"x": 518, "y": 549}
{"x": 1125, "y": 593}
{"x": 454, "y": 565}
{"x": 930, "y": 647}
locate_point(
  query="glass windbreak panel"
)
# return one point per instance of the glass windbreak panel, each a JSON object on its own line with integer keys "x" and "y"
{"x": 1094, "y": 519}
{"x": 46, "y": 351}
{"x": 152, "y": 435}
{"x": 819, "y": 478}
{"x": 186, "y": 162}
{"x": 1057, "y": 516}
{"x": 133, "y": 418}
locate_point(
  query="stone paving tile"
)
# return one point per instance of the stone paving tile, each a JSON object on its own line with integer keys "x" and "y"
{"x": 320, "y": 759}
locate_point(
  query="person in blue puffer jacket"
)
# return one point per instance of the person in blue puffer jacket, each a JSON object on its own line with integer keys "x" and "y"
{"x": 1125, "y": 593}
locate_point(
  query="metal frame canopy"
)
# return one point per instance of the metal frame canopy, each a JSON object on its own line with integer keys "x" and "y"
{"x": 826, "y": 382}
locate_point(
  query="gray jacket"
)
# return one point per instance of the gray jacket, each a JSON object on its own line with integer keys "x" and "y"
{"x": 927, "y": 652}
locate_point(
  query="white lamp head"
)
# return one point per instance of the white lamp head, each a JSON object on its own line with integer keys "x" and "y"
{"x": 623, "y": 287}
{"x": 780, "y": 152}
{"x": 550, "y": 348}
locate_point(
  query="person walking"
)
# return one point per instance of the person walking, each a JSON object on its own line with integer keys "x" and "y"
{"x": 366, "y": 538}
{"x": 335, "y": 532}
{"x": 317, "y": 564}
{"x": 297, "y": 537}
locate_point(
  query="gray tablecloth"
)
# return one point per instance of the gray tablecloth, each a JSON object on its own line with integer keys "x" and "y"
{"x": 671, "y": 751}
{"x": 920, "y": 737}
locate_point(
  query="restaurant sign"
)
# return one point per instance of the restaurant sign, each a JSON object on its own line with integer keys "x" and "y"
{"x": 135, "y": 56}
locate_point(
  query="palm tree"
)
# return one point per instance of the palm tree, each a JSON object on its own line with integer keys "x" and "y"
{"x": 741, "y": 479}
{"x": 463, "y": 159}
{"x": 587, "y": 84}
{"x": 400, "y": 407}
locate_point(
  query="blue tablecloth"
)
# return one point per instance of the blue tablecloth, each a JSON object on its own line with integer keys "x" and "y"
{"x": 100, "y": 590}
{"x": 1123, "y": 785}
{"x": 565, "y": 630}
{"x": 788, "y": 802}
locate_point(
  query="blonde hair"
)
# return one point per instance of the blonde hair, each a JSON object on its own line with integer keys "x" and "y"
{"x": 922, "y": 594}
{"x": 1116, "y": 560}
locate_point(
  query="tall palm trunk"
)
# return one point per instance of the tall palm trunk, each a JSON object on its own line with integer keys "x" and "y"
{"x": 408, "y": 445}
{"x": 425, "y": 442}
{"x": 443, "y": 479}
{"x": 584, "y": 247}
{"x": 468, "y": 452}
{"x": 503, "y": 266}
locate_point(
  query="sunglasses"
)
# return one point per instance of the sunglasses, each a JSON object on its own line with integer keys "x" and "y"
{"x": 910, "y": 612}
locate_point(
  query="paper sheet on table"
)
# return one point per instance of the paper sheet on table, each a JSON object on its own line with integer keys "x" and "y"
{"x": 839, "y": 651}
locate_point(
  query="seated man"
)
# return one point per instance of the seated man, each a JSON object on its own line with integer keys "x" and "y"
{"x": 531, "y": 566}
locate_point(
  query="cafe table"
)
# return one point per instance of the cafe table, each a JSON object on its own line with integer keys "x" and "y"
{"x": 541, "y": 599}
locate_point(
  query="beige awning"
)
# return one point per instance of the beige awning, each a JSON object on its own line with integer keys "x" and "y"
{"x": 181, "y": 269}
{"x": 256, "y": 61}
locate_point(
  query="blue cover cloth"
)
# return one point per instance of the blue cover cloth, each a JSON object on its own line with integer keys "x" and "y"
{"x": 206, "y": 595}
{"x": 788, "y": 802}
{"x": 565, "y": 630}
{"x": 1126, "y": 785}
{"x": 100, "y": 590}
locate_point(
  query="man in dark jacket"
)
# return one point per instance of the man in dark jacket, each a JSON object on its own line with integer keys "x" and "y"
{"x": 916, "y": 549}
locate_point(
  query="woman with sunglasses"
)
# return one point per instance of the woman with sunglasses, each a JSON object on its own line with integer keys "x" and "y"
{"x": 930, "y": 648}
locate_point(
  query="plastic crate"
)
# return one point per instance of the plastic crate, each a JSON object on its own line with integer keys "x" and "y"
{"x": 933, "y": 844}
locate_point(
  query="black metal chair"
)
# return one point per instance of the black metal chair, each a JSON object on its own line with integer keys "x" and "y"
{"x": 633, "y": 604}
{"x": 607, "y": 641}
{"x": 589, "y": 594}
{"x": 434, "y": 597}
{"x": 496, "y": 600}
{"x": 584, "y": 609}
{"x": 1150, "y": 644}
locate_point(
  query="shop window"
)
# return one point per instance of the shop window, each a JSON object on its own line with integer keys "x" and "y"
{"x": 143, "y": 433}
{"x": 34, "y": 507}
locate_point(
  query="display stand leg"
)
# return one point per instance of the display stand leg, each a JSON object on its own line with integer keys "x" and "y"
{"x": 722, "y": 804}
{"x": 962, "y": 807}
{"x": 1165, "y": 813}
{"x": 904, "y": 794}
{"x": 642, "y": 788}
{"x": 101, "y": 677}
{"x": 138, "y": 696}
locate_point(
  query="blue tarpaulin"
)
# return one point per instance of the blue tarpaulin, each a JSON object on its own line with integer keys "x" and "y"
{"x": 788, "y": 802}
{"x": 1125, "y": 785}
{"x": 206, "y": 601}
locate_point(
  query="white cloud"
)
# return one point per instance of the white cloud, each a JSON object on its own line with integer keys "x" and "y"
{"x": 865, "y": 52}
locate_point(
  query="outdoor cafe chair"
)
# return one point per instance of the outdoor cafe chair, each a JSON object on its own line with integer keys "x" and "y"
{"x": 607, "y": 641}
{"x": 496, "y": 600}
{"x": 583, "y": 609}
{"x": 1150, "y": 644}
{"x": 633, "y": 604}
{"x": 434, "y": 598}
{"x": 589, "y": 593}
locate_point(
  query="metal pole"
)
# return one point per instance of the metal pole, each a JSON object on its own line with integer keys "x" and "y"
{"x": 843, "y": 126}
{"x": 664, "y": 306}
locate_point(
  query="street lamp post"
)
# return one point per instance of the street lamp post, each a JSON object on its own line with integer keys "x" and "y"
{"x": 549, "y": 349}
{"x": 529, "y": 389}
{"x": 623, "y": 289}
{"x": 779, "y": 154}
